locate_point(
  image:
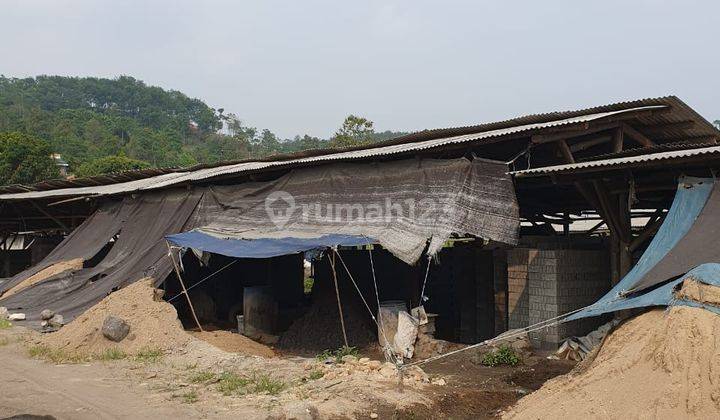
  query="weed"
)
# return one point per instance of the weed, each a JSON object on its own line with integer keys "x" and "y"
{"x": 202, "y": 377}
{"x": 504, "y": 355}
{"x": 266, "y": 384}
{"x": 337, "y": 354}
{"x": 308, "y": 285}
{"x": 190, "y": 397}
{"x": 232, "y": 383}
{"x": 315, "y": 375}
{"x": 111, "y": 354}
{"x": 148, "y": 355}
{"x": 4, "y": 323}
{"x": 55, "y": 356}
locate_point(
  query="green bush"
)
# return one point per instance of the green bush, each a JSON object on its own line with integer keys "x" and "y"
{"x": 337, "y": 354}
{"x": 504, "y": 355}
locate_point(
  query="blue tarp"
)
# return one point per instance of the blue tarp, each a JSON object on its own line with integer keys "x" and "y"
{"x": 690, "y": 199}
{"x": 264, "y": 247}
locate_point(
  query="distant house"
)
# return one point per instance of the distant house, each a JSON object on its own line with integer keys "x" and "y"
{"x": 61, "y": 164}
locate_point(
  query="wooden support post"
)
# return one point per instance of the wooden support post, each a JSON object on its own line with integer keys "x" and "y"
{"x": 637, "y": 136}
{"x": 182, "y": 284}
{"x": 565, "y": 151}
{"x": 337, "y": 293}
{"x": 618, "y": 140}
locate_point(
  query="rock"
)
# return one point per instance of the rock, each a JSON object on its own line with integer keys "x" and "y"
{"x": 349, "y": 359}
{"x": 373, "y": 415}
{"x": 57, "y": 321}
{"x": 158, "y": 295}
{"x": 115, "y": 329}
{"x": 43, "y": 324}
{"x": 17, "y": 317}
{"x": 439, "y": 381}
{"x": 3, "y": 312}
{"x": 388, "y": 370}
{"x": 364, "y": 360}
{"x": 46, "y": 314}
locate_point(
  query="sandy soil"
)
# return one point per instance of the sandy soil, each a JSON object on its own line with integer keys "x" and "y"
{"x": 661, "y": 364}
{"x": 41, "y": 275}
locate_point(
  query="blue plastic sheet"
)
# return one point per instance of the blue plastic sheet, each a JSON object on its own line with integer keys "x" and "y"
{"x": 264, "y": 247}
{"x": 690, "y": 199}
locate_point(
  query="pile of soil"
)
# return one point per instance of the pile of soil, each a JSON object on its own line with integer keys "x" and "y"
{"x": 234, "y": 343}
{"x": 153, "y": 324}
{"x": 661, "y": 364}
{"x": 320, "y": 329}
{"x": 57, "y": 268}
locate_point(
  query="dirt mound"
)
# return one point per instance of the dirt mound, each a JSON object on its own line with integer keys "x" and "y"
{"x": 234, "y": 343}
{"x": 661, "y": 364}
{"x": 57, "y": 268}
{"x": 319, "y": 328}
{"x": 153, "y": 325}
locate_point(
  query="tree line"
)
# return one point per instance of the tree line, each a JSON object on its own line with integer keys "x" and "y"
{"x": 103, "y": 125}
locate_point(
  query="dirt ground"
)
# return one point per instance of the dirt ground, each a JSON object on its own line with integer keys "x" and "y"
{"x": 187, "y": 384}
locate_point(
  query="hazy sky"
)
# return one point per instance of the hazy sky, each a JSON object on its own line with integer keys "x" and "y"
{"x": 299, "y": 67}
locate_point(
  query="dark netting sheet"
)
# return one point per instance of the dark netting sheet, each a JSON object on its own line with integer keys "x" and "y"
{"x": 140, "y": 251}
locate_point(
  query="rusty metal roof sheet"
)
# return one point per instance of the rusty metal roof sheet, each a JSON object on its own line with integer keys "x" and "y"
{"x": 175, "y": 178}
{"x": 617, "y": 162}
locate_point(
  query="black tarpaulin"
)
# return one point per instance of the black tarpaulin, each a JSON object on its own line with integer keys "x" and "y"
{"x": 139, "y": 252}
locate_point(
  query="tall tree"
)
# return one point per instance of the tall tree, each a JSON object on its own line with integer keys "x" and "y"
{"x": 355, "y": 131}
{"x": 25, "y": 159}
{"x": 110, "y": 164}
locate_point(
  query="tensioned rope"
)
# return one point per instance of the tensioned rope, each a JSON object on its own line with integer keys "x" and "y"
{"x": 387, "y": 350}
{"x": 203, "y": 280}
{"x": 530, "y": 328}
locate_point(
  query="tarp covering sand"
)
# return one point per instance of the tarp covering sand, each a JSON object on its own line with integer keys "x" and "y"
{"x": 663, "y": 364}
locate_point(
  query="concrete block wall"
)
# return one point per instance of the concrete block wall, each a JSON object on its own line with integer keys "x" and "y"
{"x": 552, "y": 282}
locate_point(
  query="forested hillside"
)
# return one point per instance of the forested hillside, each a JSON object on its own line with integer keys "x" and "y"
{"x": 109, "y": 125}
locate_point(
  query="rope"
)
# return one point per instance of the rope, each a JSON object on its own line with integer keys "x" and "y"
{"x": 203, "y": 280}
{"x": 387, "y": 350}
{"x": 530, "y": 328}
{"x": 337, "y": 294}
{"x": 372, "y": 315}
{"x": 427, "y": 271}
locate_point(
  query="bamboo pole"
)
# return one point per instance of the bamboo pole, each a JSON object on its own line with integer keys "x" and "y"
{"x": 182, "y": 284}
{"x": 337, "y": 293}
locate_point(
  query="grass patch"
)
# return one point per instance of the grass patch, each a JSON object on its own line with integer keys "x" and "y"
{"x": 230, "y": 383}
{"x": 337, "y": 354}
{"x": 315, "y": 375}
{"x": 148, "y": 355}
{"x": 4, "y": 323}
{"x": 204, "y": 376}
{"x": 55, "y": 356}
{"x": 504, "y": 355}
{"x": 190, "y": 397}
{"x": 268, "y": 385}
{"x": 308, "y": 285}
{"x": 111, "y": 354}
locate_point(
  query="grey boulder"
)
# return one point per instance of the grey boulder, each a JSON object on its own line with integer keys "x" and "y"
{"x": 115, "y": 329}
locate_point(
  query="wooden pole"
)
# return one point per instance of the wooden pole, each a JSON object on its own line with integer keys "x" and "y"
{"x": 337, "y": 293}
{"x": 182, "y": 284}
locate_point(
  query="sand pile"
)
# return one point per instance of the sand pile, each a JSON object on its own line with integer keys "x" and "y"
{"x": 234, "y": 343}
{"x": 57, "y": 268}
{"x": 153, "y": 324}
{"x": 661, "y": 364}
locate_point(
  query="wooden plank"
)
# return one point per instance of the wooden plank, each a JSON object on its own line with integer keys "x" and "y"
{"x": 583, "y": 145}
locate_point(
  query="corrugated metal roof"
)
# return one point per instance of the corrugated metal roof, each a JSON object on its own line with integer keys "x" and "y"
{"x": 175, "y": 178}
{"x": 662, "y": 156}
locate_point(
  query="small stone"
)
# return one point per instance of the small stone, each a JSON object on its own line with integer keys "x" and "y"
{"x": 439, "y": 381}
{"x": 373, "y": 415}
{"x": 364, "y": 360}
{"x": 151, "y": 375}
{"x": 3, "y": 312}
{"x": 349, "y": 359}
{"x": 57, "y": 321}
{"x": 374, "y": 364}
{"x": 17, "y": 317}
{"x": 46, "y": 314}
{"x": 43, "y": 324}
{"x": 115, "y": 329}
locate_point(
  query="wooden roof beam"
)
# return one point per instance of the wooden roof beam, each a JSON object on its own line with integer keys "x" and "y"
{"x": 636, "y": 135}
